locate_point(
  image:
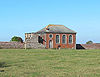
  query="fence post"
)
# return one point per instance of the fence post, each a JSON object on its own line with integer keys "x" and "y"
{"x": 25, "y": 45}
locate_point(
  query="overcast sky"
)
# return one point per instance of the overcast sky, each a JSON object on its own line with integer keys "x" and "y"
{"x": 20, "y": 16}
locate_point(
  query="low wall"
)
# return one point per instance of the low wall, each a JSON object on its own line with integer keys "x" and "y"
{"x": 18, "y": 45}
{"x": 88, "y": 46}
{"x": 11, "y": 45}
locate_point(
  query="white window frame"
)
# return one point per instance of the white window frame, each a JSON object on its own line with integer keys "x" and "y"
{"x": 72, "y": 39}
{"x": 59, "y": 38}
{"x": 65, "y": 39}
{"x": 30, "y": 36}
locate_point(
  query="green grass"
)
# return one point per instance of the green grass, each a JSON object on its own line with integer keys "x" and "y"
{"x": 49, "y": 63}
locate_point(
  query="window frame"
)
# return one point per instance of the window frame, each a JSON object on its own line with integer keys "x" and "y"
{"x": 59, "y": 38}
{"x": 30, "y": 35}
{"x": 72, "y": 39}
{"x": 50, "y": 34}
{"x": 65, "y": 39}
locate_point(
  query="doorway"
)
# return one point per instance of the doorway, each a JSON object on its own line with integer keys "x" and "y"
{"x": 50, "y": 44}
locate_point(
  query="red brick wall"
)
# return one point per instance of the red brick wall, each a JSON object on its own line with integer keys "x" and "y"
{"x": 67, "y": 45}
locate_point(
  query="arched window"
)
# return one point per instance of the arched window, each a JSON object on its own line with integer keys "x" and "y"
{"x": 64, "y": 39}
{"x": 57, "y": 39}
{"x": 70, "y": 39}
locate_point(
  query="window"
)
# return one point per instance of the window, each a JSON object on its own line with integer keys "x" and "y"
{"x": 64, "y": 39}
{"x": 50, "y": 36}
{"x": 30, "y": 35}
{"x": 57, "y": 39}
{"x": 70, "y": 39}
{"x": 25, "y": 35}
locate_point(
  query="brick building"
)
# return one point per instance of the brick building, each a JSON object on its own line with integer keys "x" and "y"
{"x": 52, "y": 36}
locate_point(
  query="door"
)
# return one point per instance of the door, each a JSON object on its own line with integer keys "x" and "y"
{"x": 50, "y": 44}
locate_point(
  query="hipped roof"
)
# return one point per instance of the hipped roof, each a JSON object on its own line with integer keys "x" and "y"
{"x": 55, "y": 29}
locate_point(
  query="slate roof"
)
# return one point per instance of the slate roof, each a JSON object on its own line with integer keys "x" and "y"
{"x": 56, "y": 29}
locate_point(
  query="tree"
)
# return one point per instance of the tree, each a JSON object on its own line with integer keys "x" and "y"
{"x": 17, "y": 39}
{"x": 89, "y": 42}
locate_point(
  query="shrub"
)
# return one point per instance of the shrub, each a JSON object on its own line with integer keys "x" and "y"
{"x": 17, "y": 39}
{"x": 89, "y": 42}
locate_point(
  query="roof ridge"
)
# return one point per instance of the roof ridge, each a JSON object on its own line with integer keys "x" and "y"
{"x": 53, "y": 25}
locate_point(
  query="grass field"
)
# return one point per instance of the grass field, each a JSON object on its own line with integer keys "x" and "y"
{"x": 49, "y": 63}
